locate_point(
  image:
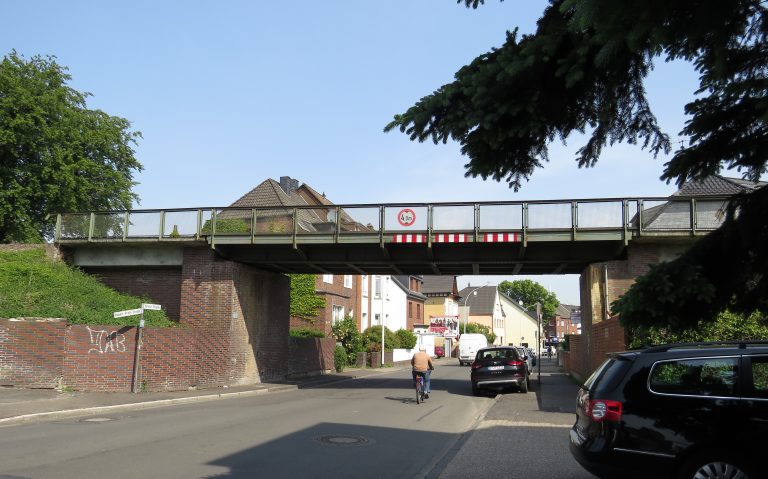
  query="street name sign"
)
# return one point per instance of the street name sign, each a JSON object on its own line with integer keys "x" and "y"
{"x": 127, "y": 312}
{"x": 155, "y": 307}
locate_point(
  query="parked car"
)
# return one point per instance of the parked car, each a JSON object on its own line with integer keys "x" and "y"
{"x": 697, "y": 410}
{"x": 499, "y": 367}
{"x": 532, "y": 353}
{"x": 527, "y": 357}
{"x": 469, "y": 344}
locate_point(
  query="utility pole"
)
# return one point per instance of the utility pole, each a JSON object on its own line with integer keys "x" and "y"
{"x": 538, "y": 338}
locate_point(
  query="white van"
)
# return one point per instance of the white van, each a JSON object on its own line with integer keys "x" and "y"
{"x": 469, "y": 344}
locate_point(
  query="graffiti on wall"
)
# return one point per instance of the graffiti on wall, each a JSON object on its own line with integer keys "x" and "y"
{"x": 103, "y": 341}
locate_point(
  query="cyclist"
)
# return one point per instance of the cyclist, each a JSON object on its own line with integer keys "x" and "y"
{"x": 422, "y": 365}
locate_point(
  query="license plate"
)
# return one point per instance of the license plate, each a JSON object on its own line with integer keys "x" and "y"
{"x": 495, "y": 368}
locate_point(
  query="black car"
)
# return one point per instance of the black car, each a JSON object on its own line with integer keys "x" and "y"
{"x": 697, "y": 410}
{"x": 499, "y": 367}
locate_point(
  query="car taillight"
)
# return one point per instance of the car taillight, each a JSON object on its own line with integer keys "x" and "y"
{"x": 515, "y": 362}
{"x": 477, "y": 364}
{"x": 600, "y": 410}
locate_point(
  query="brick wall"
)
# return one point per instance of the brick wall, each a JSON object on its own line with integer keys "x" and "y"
{"x": 572, "y": 359}
{"x": 607, "y": 337}
{"x": 99, "y": 358}
{"x": 597, "y": 294}
{"x": 235, "y": 331}
{"x": 336, "y": 294}
{"x": 162, "y": 285}
{"x": 32, "y": 352}
{"x": 311, "y": 356}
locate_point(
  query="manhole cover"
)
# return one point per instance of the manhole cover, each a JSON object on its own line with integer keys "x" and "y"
{"x": 97, "y": 419}
{"x": 343, "y": 440}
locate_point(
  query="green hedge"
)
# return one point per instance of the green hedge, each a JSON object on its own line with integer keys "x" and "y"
{"x": 306, "y": 333}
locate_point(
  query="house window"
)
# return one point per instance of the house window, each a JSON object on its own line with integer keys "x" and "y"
{"x": 338, "y": 313}
{"x": 377, "y": 319}
{"x": 410, "y": 309}
{"x": 365, "y": 285}
{"x": 418, "y": 311}
{"x": 328, "y": 278}
{"x": 347, "y": 280}
{"x": 377, "y": 286}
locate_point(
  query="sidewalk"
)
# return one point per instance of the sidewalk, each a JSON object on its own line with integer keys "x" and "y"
{"x": 534, "y": 425}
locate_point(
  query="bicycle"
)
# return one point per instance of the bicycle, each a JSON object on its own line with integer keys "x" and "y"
{"x": 419, "y": 388}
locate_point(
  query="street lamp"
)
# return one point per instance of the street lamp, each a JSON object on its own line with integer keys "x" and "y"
{"x": 466, "y": 310}
{"x": 383, "y": 296}
{"x": 538, "y": 338}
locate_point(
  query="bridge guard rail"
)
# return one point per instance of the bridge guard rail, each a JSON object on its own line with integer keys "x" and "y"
{"x": 423, "y": 223}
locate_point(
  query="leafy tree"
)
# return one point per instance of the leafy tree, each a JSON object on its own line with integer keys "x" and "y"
{"x": 372, "y": 339}
{"x": 530, "y": 292}
{"x": 582, "y": 71}
{"x": 305, "y": 303}
{"x": 345, "y": 332}
{"x": 406, "y": 338}
{"x": 56, "y": 155}
{"x": 477, "y": 328}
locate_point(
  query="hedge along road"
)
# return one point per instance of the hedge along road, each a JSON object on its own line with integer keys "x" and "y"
{"x": 369, "y": 425}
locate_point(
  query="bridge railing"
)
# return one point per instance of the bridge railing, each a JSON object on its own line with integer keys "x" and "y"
{"x": 624, "y": 216}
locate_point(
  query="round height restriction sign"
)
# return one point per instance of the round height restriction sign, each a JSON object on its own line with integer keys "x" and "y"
{"x": 406, "y": 217}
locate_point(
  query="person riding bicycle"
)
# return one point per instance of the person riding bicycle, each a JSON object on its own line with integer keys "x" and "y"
{"x": 422, "y": 365}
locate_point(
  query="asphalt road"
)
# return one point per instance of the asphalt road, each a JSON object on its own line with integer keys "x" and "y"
{"x": 367, "y": 427}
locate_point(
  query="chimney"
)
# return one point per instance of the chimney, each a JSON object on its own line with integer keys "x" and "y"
{"x": 289, "y": 185}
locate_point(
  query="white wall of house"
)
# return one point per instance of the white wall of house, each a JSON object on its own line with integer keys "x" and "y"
{"x": 392, "y": 308}
{"x": 397, "y": 300}
{"x": 498, "y": 321}
{"x": 519, "y": 326}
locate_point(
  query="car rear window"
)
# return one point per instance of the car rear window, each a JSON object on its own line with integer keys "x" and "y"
{"x": 608, "y": 374}
{"x": 497, "y": 354}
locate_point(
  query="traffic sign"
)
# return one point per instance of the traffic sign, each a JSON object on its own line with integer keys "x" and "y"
{"x": 155, "y": 307}
{"x": 406, "y": 217}
{"x": 127, "y": 312}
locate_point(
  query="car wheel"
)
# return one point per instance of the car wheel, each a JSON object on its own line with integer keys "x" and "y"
{"x": 716, "y": 465}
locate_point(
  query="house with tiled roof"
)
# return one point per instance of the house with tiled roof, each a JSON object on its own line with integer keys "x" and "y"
{"x": 275, "y": 202}
{"x": 710, "y": 195}
{"x": 520, "y": 325}
{"x": 567, "y": 320}
{"x": 482, "y": 305}
{"x": 441, "y": 308}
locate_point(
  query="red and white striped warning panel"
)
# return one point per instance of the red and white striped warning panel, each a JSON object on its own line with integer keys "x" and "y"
{"x": 502, "y": 237}
{"x": 451, "y": 238}
{"x": 410, "y": 238}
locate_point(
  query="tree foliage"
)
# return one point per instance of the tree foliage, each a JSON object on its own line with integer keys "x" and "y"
{"x": 477, "y": 328}
{"x": 530, "y": 292}
{"x": 728, "y": 326}
{"x": 56, "y": 155}
{"x": 345, "y": 332}
{"x": 582, "y": 72}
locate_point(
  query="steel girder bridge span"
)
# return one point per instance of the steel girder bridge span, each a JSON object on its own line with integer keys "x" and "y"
{"x": 485, "y": 238}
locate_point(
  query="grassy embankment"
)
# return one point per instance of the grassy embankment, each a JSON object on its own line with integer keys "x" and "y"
{"x": 35, "y": 286}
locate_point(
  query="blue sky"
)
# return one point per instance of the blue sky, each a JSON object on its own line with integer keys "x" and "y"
{"x": 227, "y": 94}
